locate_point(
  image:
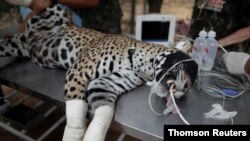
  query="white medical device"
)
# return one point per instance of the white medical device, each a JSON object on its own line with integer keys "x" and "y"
{"x": 156, "y": 28}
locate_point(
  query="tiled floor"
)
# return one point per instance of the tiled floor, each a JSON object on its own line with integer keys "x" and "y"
{"x": 45, "y": 123}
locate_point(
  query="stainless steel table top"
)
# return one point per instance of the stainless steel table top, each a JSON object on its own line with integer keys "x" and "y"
{"x": 133, "y": 115}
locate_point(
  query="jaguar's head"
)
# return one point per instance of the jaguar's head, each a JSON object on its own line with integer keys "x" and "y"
{"x": 174, "y": 68}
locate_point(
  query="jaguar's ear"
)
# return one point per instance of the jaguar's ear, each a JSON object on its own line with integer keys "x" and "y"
{"x": 184, "y": 45}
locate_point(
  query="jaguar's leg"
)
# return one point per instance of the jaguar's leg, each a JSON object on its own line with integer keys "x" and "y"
{"x": 76, "y": 111}
{"x": 77, "y": 79}
{"x": 102, "y": 94}
{"x": 99, "y": 125}
{"x": 76, "y": 106}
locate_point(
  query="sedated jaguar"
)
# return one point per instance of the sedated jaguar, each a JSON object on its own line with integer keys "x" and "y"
{"x": 100, "y": 67}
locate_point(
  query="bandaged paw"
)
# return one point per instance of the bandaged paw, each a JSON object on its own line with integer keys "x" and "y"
{"x": 235, "y": 62}
{"x": 19, "y": 2}
{"x": 100, "y": 124}
{"x": 76, "y": 111}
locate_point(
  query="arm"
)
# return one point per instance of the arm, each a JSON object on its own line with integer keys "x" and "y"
{"x": 79, "y": 3}
{"x": 242, "y": 64}
{"x": 25, "y": 21}
{"x": 236, "y": 37}
{"x": 247, "y": 67}
{"x": 39, "y": 5}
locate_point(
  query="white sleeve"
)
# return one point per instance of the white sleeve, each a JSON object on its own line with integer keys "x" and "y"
{"x": 235, "y": 62}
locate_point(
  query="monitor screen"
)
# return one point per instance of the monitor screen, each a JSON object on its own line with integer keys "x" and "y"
{"x": 155, "y": 31}
{"x": 155, "y": 28}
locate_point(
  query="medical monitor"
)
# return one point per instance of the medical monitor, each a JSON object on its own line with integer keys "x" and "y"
{"x": 156, "y": 28}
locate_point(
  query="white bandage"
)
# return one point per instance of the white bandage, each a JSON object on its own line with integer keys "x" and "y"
{"x": 100, "y": 124}
{"x": 218, "y": 113}
{"x": 235, "y": 62}
{"x": 19, "y": 2}
{"x": 76, "y": 111}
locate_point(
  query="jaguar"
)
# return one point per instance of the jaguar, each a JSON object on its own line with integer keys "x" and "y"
{"x": 100, "y": 67}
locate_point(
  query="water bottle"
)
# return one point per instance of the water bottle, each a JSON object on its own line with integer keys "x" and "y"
{"x": 210, "y": 52}
{"x": 200, "y": 43}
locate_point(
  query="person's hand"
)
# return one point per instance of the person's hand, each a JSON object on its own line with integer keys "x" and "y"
{"x": 39, "y": 5}
{"x": 182, "y": 27}
{"x": 235, "y": 62}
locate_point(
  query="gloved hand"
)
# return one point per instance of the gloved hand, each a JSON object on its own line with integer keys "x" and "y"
{"x": 235, "y": 62}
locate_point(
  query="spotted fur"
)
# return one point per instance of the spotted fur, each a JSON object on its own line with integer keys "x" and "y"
{"x": 100, "y": 66}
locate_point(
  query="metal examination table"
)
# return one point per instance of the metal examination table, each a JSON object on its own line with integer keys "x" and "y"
{"x": 133, "y": 115}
